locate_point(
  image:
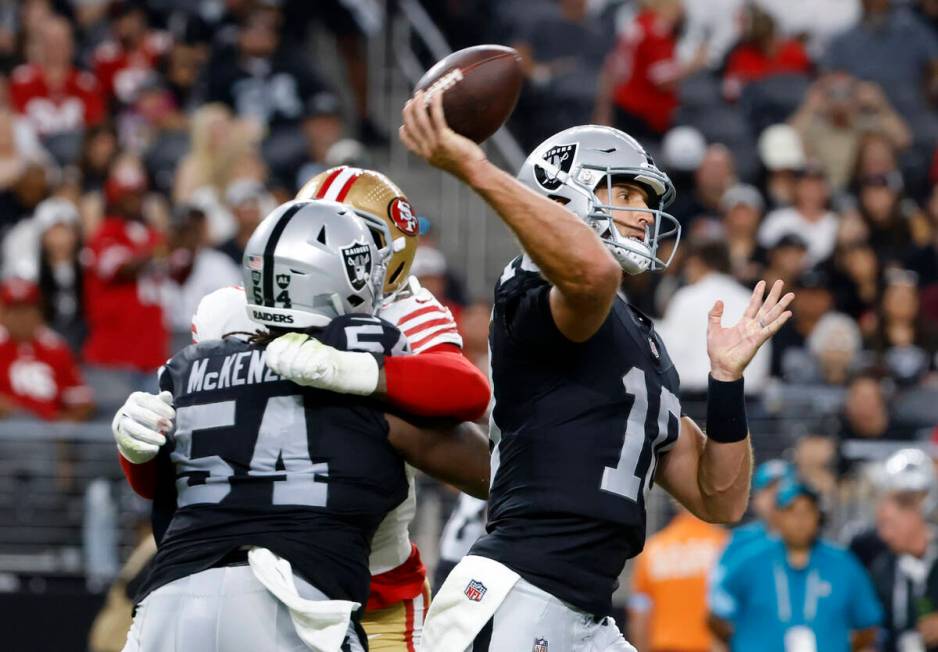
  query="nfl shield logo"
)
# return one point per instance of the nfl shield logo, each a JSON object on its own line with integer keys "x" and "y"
{"x": 654, "y": 349}
{"x": 540, "y": 645}
{"x": 475, "y": 590}
{"x": 357, "y": 259}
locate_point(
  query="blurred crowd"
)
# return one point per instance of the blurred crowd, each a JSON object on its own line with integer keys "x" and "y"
{"x": 141, "y": 142}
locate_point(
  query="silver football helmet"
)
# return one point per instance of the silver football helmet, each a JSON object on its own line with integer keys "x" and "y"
{"x": 311, "y": 261}
{"x": 571, "y": 164}
{"x": 911, "y": 470}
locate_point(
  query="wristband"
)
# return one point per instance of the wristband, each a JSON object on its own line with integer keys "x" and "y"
{"x": 726, "y": 411}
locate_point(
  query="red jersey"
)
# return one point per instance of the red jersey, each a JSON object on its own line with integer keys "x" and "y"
{"x": 125, "y": 317}
{"x": 647, "y": 66}
{"x": 41, "y": 376}
{"x": 120, "y": 72}
{"x": 76, "y": 104}
{"x": 748, "y": 63}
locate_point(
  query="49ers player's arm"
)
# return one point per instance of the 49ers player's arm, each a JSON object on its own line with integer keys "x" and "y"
{"x": 457, "y": 455}
{"x": 571, "y": 256}
{"x": 709, "y": 478}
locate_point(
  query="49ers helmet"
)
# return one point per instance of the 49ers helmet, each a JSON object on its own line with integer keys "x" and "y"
{"x": 570, "y": 166}
{"x": 311, "y": 261}
{"x": 373, "y": 196}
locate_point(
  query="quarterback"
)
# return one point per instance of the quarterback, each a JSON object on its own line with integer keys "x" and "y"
{"x": 436, "y": 382}
{"x": 586, "y": 413}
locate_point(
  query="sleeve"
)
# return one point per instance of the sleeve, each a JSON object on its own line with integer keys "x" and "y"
{"x": 641, "y": 598}
{"x": 522, "y": 307}
{"x": 865, "y": 608}
{"x": 437, "y": 384}
{"x": 425, "y": 322}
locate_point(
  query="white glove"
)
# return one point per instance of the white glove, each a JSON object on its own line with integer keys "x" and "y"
{"x": 307, "y": 361}
{"x": 140, "y": 425}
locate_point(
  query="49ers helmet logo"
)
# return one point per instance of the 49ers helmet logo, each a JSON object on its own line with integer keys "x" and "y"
{"x": 402, "y": 213}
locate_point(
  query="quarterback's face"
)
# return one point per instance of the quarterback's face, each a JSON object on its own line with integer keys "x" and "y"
{"x": 623, "y": 196}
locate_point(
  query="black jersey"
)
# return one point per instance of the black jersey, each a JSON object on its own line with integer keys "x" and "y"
{"x": 259, "y": 461}
{"x": 578, "y": 430}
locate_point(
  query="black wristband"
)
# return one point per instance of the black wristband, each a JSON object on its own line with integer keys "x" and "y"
{"x": 726, "y": 411}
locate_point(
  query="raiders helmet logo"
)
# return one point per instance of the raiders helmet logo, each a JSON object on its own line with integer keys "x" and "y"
{"x": 402, "y": 213}
{"x": 357, "y": 258}
{"x": 559, "y": 156}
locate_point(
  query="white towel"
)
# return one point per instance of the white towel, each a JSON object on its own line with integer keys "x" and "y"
{"x": 467, "y": 600}
{"x": 322, "y": 624}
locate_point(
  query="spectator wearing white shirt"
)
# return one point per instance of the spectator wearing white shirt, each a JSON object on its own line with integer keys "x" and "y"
{"x": 809, "y": 217}
{"x": 684, "y": 326}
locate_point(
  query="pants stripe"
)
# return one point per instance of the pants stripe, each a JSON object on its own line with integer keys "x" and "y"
{"x": 409, "y": 624}
{"x": 484, "y": 637}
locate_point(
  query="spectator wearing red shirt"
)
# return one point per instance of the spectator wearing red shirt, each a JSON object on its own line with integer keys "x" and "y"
{"x": 122, "y": 64}
{"x": 54, "y": 95}
{"x": 38, "y": 373}
{"x": 122, "y": 287}
{"x": 638, "y": 88}
{"x": 761, "y": 53}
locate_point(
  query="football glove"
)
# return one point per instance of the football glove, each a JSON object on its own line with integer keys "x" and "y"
{"x": 141, "y": 424}
{"x": 308, "y": 362}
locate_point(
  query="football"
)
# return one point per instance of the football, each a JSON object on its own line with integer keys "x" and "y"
{"x": 481, "y": 85}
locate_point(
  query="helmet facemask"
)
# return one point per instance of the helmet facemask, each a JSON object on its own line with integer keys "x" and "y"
{"x": 633, "y": 256}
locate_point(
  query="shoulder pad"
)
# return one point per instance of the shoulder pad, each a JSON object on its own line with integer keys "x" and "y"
{"x": 520, "y": 275}
{"x": 221, "y": 312}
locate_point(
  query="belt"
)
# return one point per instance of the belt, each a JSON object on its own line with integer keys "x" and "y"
{"x": 236, "y": 557}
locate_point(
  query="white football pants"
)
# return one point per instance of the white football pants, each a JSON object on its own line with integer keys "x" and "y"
{"x": 221, "y": 610}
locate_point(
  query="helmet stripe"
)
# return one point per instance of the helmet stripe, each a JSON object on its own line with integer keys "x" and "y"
{"x": 345, "y": 189}
{"x": 271, "y": 247}
{"x": 324, "y": 188}
{"x": 339, "y": 183}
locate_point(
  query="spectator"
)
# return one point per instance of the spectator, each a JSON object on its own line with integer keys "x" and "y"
{"x": 923, "y": 259}
{"x": 127, "y": 59}
{"x": 19, "y": 147}
{"x": 51, "y": 92}
{"x": 903, "y": 337}
{"x": 891, "y": 47}
{"x": 430, "y": 269}
{"x": 669, "y": 585}
{"x": 866, "y": 418}
{"x": 742, "y": 212}
{"x": 765, "y": 483}
{"x": 195, "y": 270}
{"x": 761, "y": 52}
{"x": 182, "y": 66}
{"x": 38, "y": 373}
{"x": 812, "y": 22}
{"x": 249, "y": 202}
{"x": 813, "y": 300}
{"x": 876, "y": 155}
{"x": 223, "y": 149}
{"x": 786, "y": 261}
{"x": 782, "y": 155}
{"x": 834, "y": 345}
{"x": 638, "y": 86}
{"x": 682, "y": 152}
{"x": 322, "y": 129}
{"x": 709, "y": 31}
{"x": 155, "y": 129}
{"x": 713, "y": 177}
{"x": 798, "y": 592}
{"x": 809, "y": 216}
{"x": 60, "y": 273}
{"x": 880, "y": 207}
{"x": 856, "y": 283}
{"x": 262, "y": 82}
{"x": 562, "y": 52}
{"x": 122, "y": 287}
{"x": 836, "y": 114}
{"x": 98, "y": 151}
{"x": 684, "y": 326}
{"x": 907, "y": 502}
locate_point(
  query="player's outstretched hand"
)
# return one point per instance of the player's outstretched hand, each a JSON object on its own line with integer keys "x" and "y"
{"x": 141, "y": 424}
{"x": 731, "y": 348}
{"x": 426, "y": 134}
{"x": 307, "y": 361}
